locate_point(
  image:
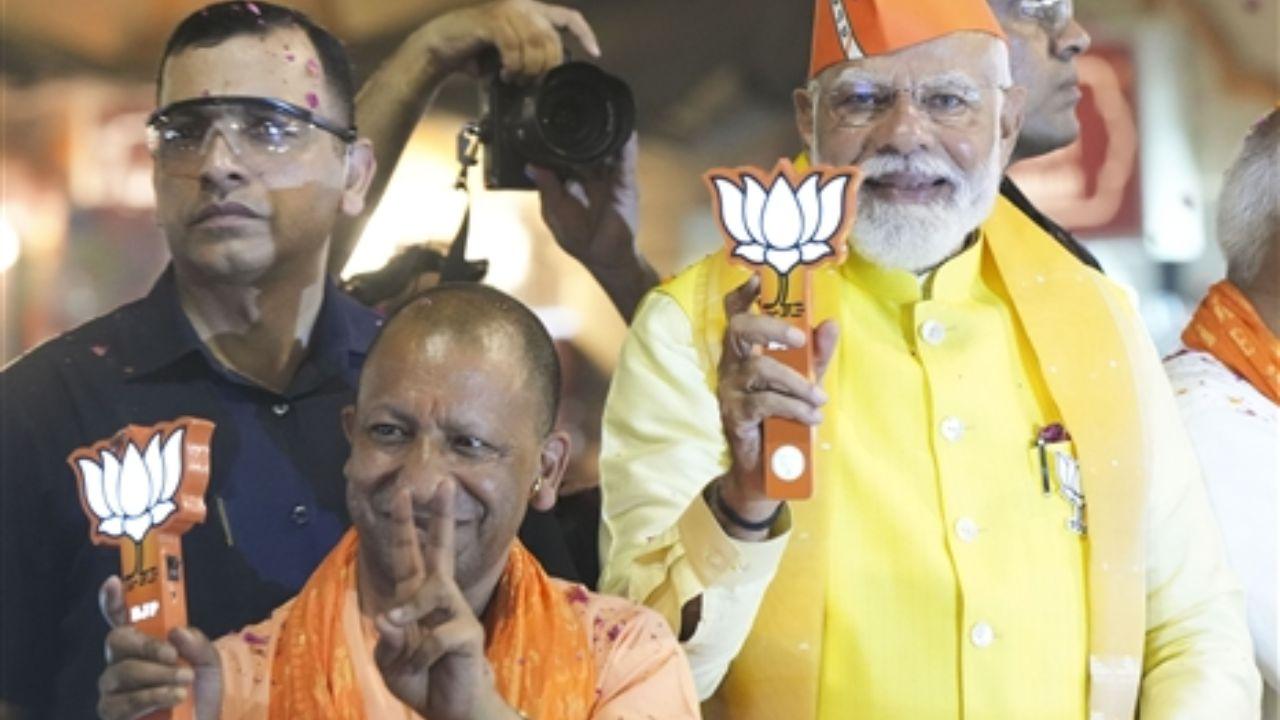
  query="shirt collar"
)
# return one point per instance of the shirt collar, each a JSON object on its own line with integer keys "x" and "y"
{"x": 955, "y": 279}
{"x": 158, "y": 334}
{"x": 161, "y": 335}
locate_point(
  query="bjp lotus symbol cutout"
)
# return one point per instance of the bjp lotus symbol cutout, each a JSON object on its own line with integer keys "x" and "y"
{"x": 782, "y": 224}
{"x": 784, "y": 220}
{"x": 132, "y": 494}
{"x": 142, "y": 489}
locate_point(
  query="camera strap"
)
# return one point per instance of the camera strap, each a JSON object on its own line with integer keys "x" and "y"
{"x": 455, "y": 267}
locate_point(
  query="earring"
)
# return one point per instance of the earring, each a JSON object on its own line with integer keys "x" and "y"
{"x": 537, "y": 484}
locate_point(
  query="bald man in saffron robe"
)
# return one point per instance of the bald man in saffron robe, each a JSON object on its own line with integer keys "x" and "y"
{"x": 429, "y": 607}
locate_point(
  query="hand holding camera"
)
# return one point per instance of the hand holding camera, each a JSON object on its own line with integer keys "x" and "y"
{"x": 526, "y": 34}
{"x": 571, "y": 134}
{"x": 558, "y": 127}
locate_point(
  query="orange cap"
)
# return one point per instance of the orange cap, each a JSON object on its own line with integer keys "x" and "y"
{"x": 851, "y": 29}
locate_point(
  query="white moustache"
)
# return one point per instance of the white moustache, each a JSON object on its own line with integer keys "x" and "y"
{"x": 879, "y": 166}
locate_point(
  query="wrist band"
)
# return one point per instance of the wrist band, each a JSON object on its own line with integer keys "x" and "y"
{"x": 734, "y": 518}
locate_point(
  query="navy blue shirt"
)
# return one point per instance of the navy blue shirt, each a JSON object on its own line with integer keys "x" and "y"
{"x": 276, "y": 470}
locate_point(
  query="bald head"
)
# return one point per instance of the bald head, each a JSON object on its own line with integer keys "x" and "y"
{"x": 488, "y": 320}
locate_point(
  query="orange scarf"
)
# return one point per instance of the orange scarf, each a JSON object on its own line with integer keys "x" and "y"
{"x": 537, "y": 645}
{"x": 1227, "y": 327}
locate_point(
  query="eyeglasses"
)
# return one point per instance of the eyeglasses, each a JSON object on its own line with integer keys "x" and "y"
{"x": 859, "y": 103}
{"x": 1053, "y": 15}
{"x": 258, "y": 130}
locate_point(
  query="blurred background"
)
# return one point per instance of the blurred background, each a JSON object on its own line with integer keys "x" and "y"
{"x": 1171, "y": 86}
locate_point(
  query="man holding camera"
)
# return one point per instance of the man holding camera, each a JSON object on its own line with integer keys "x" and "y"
{"x": 592, "y": 214}
{"x": 256, "y": 160}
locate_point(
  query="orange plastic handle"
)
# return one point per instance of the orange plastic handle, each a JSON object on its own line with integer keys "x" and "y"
{"x": 788, "y": 444}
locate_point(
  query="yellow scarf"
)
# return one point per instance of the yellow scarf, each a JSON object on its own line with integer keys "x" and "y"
{"x": 1076, "y": 324}
{"x": 1227, "y": 326}
{"x": 538, "y": 648}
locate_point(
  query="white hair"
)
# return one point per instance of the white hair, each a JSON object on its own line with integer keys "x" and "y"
{"x": 919, "y": 237}
{"x": 1249, "y": 206}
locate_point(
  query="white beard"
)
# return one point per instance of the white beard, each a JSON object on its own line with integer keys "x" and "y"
{"x": 920, "y": 236}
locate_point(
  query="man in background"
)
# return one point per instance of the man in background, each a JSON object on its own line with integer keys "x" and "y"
{"x": 1227, "y": 382}
{"x": 1044, "y": 40}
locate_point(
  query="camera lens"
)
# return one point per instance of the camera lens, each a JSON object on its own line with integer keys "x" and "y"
{"x": 578, "y": 118}
{"x": 582, "y": 115}
{"x": 576, "y": 115}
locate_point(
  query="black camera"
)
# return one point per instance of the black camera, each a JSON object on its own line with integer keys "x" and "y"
{"x": 576, "y": 114}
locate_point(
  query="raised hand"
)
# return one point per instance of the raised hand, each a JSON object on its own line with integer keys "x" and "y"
{"x": 430, "y": 647}
{"x": 525, "y": 32}
{"x": 527, "y": 36}
{"x": 593, "y": 217}
{"x": 753, "y": 386}
{"x": 145, "y": 674}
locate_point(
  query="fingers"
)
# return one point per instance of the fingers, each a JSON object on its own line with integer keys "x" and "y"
{"x": 462, "y": 635}
{"x": 393, "y": 643}
{"x": 436, "y": 598}
{"x": 763, "y": 387}
{"x": 739, "y": 299}
{"x": 747, "y": 331}
{"x": 439, "y": 551}
{"x": 414, "y": 648}
{"x": 754, "y": 386}
{"x": 128, "y": 676}
{"x": 525, "y": 33}
{"x": 404, "y": 556}
{"x": 577, "y": 26}
{"x": 111, "y": 601}
{"x": 142, "y": 675}
{"x": 551, "y": 189}
{"x": 137, "y": 703}
{"x": 194, "y": 647}
{"x": 825, "y": 338}
{"x": 529, "y": 38}
{"x": 629, "y": 159}
{"x": 128, "y": 643}
{"x": 511, "y": 48}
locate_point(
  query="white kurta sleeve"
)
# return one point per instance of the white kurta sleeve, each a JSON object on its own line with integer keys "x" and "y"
{"x": 660, "y": 544}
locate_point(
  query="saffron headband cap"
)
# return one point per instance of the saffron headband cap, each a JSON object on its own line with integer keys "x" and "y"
{"x": 851, "y": 29}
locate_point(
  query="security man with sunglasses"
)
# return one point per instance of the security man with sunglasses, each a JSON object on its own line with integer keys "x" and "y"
{"x": 256, "y": 158}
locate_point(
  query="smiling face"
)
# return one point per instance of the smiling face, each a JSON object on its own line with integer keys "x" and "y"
{"x": 437, "y": 402}
{"x": 931, "y": 126}
{"x": 228, "y": 222}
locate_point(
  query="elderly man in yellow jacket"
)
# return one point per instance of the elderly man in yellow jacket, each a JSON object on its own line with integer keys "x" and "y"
{"x": 1007, "y": 519}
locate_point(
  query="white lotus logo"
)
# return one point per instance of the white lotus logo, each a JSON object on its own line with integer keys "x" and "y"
{"x": 134, "y": 493}
{"x": 787, "y": 225}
